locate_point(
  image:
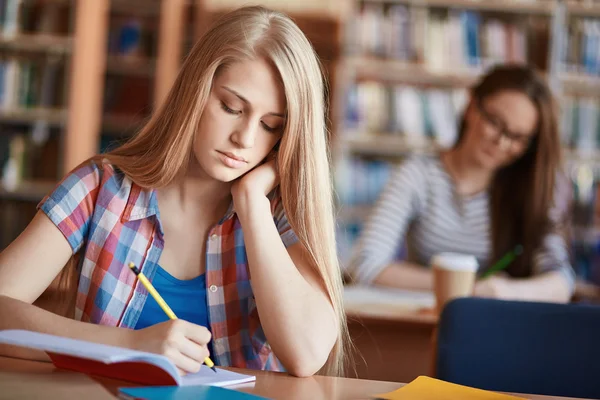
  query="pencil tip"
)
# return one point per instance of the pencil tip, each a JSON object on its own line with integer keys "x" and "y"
{"x": 214, "y": 369}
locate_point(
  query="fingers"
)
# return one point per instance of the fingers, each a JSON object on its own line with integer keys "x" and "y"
{"x": 196, "y": 333}
{"x": 193, "y": 350}
{"x": 184, "y": 363}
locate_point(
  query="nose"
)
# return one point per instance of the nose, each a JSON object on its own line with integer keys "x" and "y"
{"x": 504, "y": 143}
{"x": 244, "y": 135}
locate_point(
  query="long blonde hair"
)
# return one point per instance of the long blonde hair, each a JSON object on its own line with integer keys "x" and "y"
{"x": 161, "y": 151}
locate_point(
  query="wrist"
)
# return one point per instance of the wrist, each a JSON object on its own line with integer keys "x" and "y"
{"x": 128, "y": 338}
{"x": 248, "y": 200}
{"x": 507, "y": 290}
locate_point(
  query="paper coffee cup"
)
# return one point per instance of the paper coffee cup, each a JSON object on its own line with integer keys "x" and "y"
{"x": 453, "y": 277}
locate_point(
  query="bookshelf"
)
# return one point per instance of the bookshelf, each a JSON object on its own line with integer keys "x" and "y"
{"x": 79, "y": 121}
{"x": 376, "y": 75}
{"x": 36, "y": 55}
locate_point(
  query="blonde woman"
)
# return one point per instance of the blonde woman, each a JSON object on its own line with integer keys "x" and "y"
{"x": 215, "y": 199}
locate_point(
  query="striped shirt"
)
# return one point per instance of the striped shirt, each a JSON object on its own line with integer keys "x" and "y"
{"x": 112, "y": 221}
{"x": 420, "y": 208}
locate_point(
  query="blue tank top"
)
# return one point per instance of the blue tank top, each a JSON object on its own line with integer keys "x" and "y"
{"x": 187, "y": 299}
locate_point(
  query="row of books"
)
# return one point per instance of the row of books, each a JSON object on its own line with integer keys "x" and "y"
{"x": 26, "y": 16}
{"x": 580, "y": 123}
{"x": 418, "y": 113}
{"x": 30, "y": 83}
{"x": 581, "y": 51}
{"x": 359, "y": 181}
{"x": 443, "y": 39}
{"x": 408, "y": 110}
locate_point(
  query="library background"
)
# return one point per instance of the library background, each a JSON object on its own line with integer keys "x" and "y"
{"x": 78, "y": 76}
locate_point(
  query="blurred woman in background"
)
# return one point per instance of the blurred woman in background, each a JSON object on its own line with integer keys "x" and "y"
{"x": 499, "y": 187}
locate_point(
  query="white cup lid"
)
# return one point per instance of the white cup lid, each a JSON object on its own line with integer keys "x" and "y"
{"x": 455, "y": 262}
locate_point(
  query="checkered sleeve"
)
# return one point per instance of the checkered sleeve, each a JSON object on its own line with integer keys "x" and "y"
{"x": 71, "y": 205}
{"x": 288, "y": 236}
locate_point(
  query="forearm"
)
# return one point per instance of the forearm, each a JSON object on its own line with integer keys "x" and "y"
{"x": 16, "y": 314}
{"x": 290, "y": 308}
{"x": 405, "y": 275}
{"x": 548, "y": 287}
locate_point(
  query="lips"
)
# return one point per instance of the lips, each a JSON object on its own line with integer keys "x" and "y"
{"x": 231, "y": 160}
{"x": 238, "y": 158}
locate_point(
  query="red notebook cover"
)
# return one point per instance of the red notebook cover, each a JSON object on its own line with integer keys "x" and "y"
{"x": 131, "y": 371}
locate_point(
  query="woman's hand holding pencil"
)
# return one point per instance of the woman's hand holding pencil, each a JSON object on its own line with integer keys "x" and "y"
{"x": 495, "y": 283}
{"x": 182, "y": 342}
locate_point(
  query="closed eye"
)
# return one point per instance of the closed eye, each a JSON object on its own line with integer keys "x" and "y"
{"x": 271, "y": 129}
{"x": 229, "y": 110}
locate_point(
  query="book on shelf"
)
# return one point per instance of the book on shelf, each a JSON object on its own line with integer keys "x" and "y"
{"x": 132, "y": 37}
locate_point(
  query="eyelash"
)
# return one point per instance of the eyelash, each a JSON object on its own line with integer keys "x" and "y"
{"x": 229, "y": 110}
{"x": 236, "y": 112}
{"x": 269, "y": 129}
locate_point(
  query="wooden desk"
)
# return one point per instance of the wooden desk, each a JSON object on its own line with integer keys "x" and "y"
{"x": 392, "y": 331}
{"x": 21, "y": 379}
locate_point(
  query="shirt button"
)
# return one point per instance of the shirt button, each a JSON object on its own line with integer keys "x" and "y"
{"x": 214, "y": 236}
{"x": 212, "y": 288}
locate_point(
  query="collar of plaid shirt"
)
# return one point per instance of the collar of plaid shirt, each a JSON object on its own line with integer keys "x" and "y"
{"x": 125, "y": 227}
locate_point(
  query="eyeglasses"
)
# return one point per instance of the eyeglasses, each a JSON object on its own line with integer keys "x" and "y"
{"x": 517, "y": 141}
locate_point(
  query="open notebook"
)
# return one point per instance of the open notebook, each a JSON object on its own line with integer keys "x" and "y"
{"x": 116, "y": 362}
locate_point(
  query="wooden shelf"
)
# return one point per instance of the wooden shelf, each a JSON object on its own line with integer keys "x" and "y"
{"x": 538, "y": 7}
{"x": 33, "y": 191}
{"x": 410, "y": 73}
{"x": 591, "y": 157}
{"x": 138, "y": 7}
{"x": 54, "y": 116}
{"x": 387, "y": 145}
{"x": 581, "y": 84}
{"x": 38, "y": 43}
{"x": 143, "y": 8}
{"x": 59, "y": 2}
{"x": 583, "y": 9}
{"x": 122, "y": 65}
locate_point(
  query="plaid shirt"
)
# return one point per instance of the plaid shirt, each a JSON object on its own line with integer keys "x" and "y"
{"x": 113, "y": 221}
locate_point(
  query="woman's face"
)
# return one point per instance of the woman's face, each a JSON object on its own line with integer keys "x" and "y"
{"x": 243, "y": 120}
{"x": 499, "y": 128}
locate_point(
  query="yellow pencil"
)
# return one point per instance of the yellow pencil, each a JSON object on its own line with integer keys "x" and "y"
{"x": 161, "y": 302}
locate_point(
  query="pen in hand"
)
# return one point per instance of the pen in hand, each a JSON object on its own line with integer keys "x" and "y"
{"x": 161, "y": 302}
{"x": 504, "y": 262}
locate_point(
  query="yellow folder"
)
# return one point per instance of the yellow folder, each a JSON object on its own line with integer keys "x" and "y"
{"x": 426, "y": 388}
